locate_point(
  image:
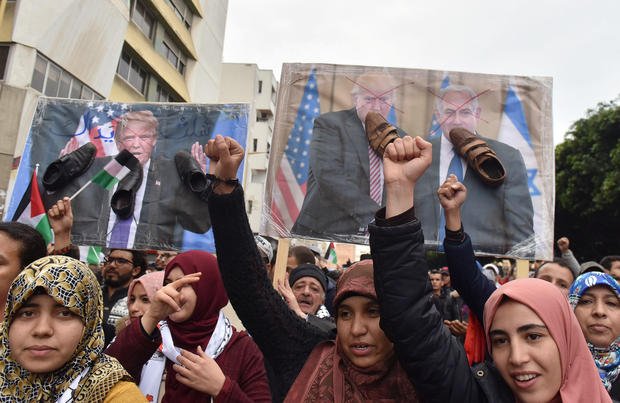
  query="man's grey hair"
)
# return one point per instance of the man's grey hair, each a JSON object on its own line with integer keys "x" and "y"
{"x": 364, "y": 80}
{"x": 471, "y": 94}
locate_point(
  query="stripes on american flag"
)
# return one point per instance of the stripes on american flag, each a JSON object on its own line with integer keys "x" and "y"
{"x": 292, "y": 174}
{"x": 435, "y": 130}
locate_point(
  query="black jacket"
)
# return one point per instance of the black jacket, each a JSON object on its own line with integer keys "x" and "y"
{"x": 284, "y": 338}
{"x": 435, "y": 361}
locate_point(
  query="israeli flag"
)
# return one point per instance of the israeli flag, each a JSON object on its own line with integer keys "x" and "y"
{"x": 515, "y": 132}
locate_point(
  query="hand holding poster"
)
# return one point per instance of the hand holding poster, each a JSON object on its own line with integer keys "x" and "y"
{"x": 326, "y": 176}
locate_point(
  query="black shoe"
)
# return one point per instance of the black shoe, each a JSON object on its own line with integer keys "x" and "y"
{"x": 68, "y": 167}
{"x": 190, "y": 172}
{"x": 124, "y": 198}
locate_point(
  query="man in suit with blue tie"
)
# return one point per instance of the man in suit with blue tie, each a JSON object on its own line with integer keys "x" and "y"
{"x": 497, "y": 218}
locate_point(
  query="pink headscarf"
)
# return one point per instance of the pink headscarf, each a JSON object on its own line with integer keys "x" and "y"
{"x": 580, "y": 379}
{"x": 151, "y": 283}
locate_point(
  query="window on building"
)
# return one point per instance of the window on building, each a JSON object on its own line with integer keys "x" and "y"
{"x": 260, "y": 86}
{"x": 143, "y": 18}
{"x": 87, "y": 93}
{"x": 254, "y": 145}
{"x": 259, "y": 175}
{"x": 129, "y": 68}
{"x": 173, "y": 54}
{"x": 54, "y": 81}
{"x": 76, "y": 90}
{"x": 262, "y": 116}
{"x": 182, "y": 11}
{"x": 163, "y": 95}
{"x": 250, "y": 206}
{"x": 65, "y": 85}
{"x": 38, "y": 75}
{"x": 4, "y": 57}
{"x": 273, "y": 95}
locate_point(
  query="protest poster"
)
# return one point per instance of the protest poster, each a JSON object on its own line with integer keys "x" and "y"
{"x": 325, "y": 180}
{"x": 166, "y": 214}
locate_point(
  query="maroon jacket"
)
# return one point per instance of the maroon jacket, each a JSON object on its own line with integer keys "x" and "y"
{"x": 241, "y": 362}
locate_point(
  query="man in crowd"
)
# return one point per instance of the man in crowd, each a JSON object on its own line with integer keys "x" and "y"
{"x": 162, "y": 259}
{"x": 120, "y": 267}
{"x": 163, "y": 205}
{"x": 445, "y": 304}
{"x": 20, "y": 245}
{"x": 559, "y": 273}
{"x": 298, "y": 255}
{"x": 339, "y": 198}
{"x": 611, "y": 264}
{"x": 305, "y": 295}
{"x": 496, "y": 218}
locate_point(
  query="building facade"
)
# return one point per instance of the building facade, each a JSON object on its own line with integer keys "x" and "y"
{"x": 248, "y": 84}
{"x": 119, "y": 50}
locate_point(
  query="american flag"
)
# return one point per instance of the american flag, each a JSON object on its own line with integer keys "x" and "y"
{"x": 435, "y": 130}
{"x": 292, "y": 174}
{"x": 98, "y": 124}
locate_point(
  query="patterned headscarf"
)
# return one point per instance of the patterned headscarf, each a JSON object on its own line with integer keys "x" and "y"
{"x": 607, "y": 359}
{"x": 72, "y": 284}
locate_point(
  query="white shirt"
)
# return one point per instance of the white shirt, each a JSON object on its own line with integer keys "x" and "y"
{"x": 446, "y": 153}
{"x": 136, "y": 209}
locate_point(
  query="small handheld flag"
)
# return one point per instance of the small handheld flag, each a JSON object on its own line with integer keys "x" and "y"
{"x": 31, "y": 211}
{"x": 330, "y": 255}
{"x": 113, "y": 172}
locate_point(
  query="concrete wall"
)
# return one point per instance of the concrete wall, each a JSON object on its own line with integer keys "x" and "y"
{"x": 85, "y": 37}
{"x": 203, "y": 76}
{"x": 239, "y": 83}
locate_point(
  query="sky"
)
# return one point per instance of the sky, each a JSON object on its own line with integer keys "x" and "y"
{"x": 577, "y": 43}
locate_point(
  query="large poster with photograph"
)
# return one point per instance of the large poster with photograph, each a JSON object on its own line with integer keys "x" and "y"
{"x": 325, "y": 172}
{"x": 153, "y": 207}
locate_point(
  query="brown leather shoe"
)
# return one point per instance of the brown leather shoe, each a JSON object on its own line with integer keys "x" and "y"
{"x": 480, "y": 157}
{"x": 380, "y": 133}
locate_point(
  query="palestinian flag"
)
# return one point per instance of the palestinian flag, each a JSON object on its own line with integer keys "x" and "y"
{"x": 116, "y": 170}
{"x": 90, "y": 254}
{"x": 330, "y": 255}
{"x": 31, "y": 211}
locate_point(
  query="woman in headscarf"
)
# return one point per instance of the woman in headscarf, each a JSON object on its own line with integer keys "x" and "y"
{"x": 307, "y": 364}
{"x": 51, "y": 346}
{"x": 206, "y": 357}
{"x": 141, "y": 291}
{"x": 537, "y": 349}
{"x": 595, "y": 298}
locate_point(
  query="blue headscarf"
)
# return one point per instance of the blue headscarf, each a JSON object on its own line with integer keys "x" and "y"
{"x": 607, "y": 359}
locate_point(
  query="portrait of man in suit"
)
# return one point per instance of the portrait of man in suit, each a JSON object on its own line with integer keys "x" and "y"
{"x": 163, "y": 206}
{"x": 345, "y": 177}
{"x": 496, "y": 218}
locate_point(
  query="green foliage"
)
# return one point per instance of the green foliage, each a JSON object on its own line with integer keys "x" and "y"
{"x": 588, "y": 183}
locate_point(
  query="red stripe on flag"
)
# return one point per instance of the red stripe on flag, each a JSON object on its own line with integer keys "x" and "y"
{"x": 36, "y": 204}
{"x": 283, "y": 184}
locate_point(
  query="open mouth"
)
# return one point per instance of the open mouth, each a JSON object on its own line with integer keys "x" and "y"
{"x": 305, "y": 302}
{"x": 525, "y": 380}
{"x": 360, "y": 349}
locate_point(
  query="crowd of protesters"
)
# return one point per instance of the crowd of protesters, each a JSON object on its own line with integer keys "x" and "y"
{"x": 385, "y": 328}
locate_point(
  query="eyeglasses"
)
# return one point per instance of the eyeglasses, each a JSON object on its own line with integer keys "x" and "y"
{"x": 118, "y": 260}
